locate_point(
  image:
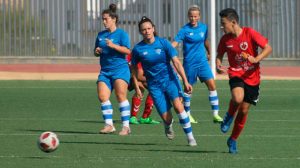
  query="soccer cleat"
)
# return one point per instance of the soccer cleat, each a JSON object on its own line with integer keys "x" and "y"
{"x": 148, "y": 120}
{"x": 133, "y": 120}
{"x": 192, "y": 142}
{"x": 225, "y": 125}
{"x": 192, "y": 120}
{"x": 217, "y": 119}
{"x": 231, "y": 145}
{"x": 169, "y": 132}
{"x": 125, "y": 131}
{"x": 108, "y": 129}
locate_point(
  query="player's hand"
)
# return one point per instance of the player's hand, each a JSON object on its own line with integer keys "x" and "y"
{"x": 98, "y": 51}
{"x": 188, "y": 88}
{"x": 109, "y": 43}
{"x": 139, "y": 94}
{"x": 252, "y": 59}
{"x": 220, "y": 69}
{"x": 208, "y": 57}
{"x": 245, "y": 55}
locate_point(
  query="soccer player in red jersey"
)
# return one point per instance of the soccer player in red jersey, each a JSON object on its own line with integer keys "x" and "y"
{"x": 241, "y": 45}
{"x": 138, "y": 97}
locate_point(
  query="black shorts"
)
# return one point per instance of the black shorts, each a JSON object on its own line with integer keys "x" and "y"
{"x": 251, "y": 93}
{"x": 131, "y": 85}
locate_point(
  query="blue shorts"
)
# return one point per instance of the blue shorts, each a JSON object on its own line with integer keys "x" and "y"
{"x": 164, "y": 94}
{"x": 109, "y": 76}
{"x": 203, "y": 73}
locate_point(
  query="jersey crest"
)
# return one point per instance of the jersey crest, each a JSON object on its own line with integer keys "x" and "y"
{"x": 244, "y": 46}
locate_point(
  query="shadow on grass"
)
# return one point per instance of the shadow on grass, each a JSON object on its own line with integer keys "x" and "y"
{"x": 61, "y": 131}
{"x": 193, "y": 150}
{"x": 107, "y": 143}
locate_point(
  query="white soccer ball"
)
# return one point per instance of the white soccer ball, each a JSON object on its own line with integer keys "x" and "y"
{"x": 48, "y": 142}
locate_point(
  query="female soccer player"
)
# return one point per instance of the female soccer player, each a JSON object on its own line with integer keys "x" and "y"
{"x": 138, "y": 97}
{"x": 193, "y": 35}
{"x": 112, "y": 45}
{"x": 155, "y": 55}
{"x": 240, "y": 44}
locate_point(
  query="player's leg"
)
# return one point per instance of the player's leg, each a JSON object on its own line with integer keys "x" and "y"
{"x": 239, "y": 124}
{"x": 163, "y": 107}
{"x": 104, "y": 93}
{"x": 135, "y": 106}
{"x": 124, "y": 106}
{"x": 251, "y": 94}
{"x": 237, "y": 97}
{"x": 214, "y": 100}
{"x": 192, "y": 79}
{"x": 184, "y": 120}
{"x": 173, "y": 93}
{"x": 146, "y": 119}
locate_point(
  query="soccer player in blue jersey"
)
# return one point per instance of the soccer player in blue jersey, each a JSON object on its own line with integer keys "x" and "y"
{"x": 193, "y": 35}
{"x": 112, "y": 45}
{"x": 155, "y": 55}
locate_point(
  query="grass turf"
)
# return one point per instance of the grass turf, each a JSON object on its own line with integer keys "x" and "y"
{"x": 71, "y": 109}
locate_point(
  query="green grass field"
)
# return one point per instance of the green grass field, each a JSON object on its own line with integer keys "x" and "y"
{"x": 271, "y": 137}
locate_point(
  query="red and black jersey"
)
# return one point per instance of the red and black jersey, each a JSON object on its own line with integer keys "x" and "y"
{"x": 247, "y": 42}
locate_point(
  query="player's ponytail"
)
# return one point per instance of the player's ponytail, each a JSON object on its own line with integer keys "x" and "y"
{"x": 112, "y": 12}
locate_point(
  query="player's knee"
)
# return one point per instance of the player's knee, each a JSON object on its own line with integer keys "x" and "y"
{"x": 237, "y": 100}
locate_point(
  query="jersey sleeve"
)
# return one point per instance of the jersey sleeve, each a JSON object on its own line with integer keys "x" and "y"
{"x": 180, "y": 36}
{"x": 96, "y": 42}
{"x": 169, "y": 49}
{"x": 206, "y": 33}
{"x": 134, "y": 57}
{"x": 221, "y": 47}
{"x": 125, "y": 40}
{"x": 259, "y": 39}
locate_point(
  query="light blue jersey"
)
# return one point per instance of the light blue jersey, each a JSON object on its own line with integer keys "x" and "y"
{"x": 193, "y": 39}
{"x": 110, "y": 59}
{"x": 195, "y": 61}
{"x": 163, "y": 84}
{"x": 155, "y": 59}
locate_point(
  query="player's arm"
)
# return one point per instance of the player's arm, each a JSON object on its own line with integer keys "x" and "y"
{"x": 207, "y": 47}
{"x": 177, "y": 64}
{"x": 174, "y": 44}
{"x": 140, "y": 75}
{"x": 120, "y": 49}
{"x": 219, "y": 60}
{"x": 266, "y": 51}
{"x": 135, "y": 81}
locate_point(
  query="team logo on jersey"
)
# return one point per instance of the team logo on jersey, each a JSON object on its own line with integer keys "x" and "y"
{"x": 145, "y": 53}
{"x": 244, "y": 46}
{"x": 100, "y": 39}
{"x": 158, "y": 51}
{"x": 202, "y": 34}
{"x": 191, "y": 34}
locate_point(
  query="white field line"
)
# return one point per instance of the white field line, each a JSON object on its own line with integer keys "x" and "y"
{"x": 83, "y": 120}
{"x": 152, "y": 135}
{"x": 92, "y": 87}
{"x": 101, "y": 158}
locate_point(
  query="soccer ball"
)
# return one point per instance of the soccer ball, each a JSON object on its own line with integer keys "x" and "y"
{"x": 48, "y": 142}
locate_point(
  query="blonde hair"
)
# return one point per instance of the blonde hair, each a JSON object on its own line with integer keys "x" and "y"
{"x": 194, "y": 8}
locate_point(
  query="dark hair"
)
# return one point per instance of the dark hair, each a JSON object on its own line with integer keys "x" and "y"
{"x": 144, "y": 19}
{"x": 230, "y": 14}
{"x": 111, "y": 11}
